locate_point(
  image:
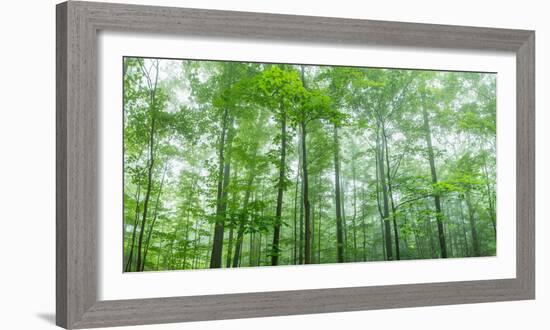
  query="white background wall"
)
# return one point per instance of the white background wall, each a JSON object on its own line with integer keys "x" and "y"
{"x": 27, "y": 162}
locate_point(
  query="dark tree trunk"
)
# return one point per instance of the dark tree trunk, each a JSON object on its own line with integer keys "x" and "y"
{"x": 186, "y": 242}
{"x": 489, "y": 196}
{"x": 152, "y": 93}
{"x": 242, "y": 218}
{"x": 319, "y": 232}
{"x": 473, "y": 229}
{"x": 300, "y": 162}
{"x": 364, "y": 224}
{"x": 463, "y": 225}
{"x": 133, "y": 242}
{"x": 223, "y": 182}
{"x": 280, "y": 191}
{"x": 390, "y": 193}
{"x": 354, "y": 218}
{"x": 386, "y": 209}
{"x": 305, "y": 195}
{"x": 229, "y": 246}
{"x": 417, "y": 242}
{"x": 338, "y": 199}
{"x": 344, "y": 221}
{"x": 437, "y": 200}
{"x": 147, "y": 193}
{"x": 295, "y": 225}
{"x": 155, "y": 215}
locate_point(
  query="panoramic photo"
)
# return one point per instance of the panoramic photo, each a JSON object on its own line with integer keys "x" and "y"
{"x": 241, "y": 164}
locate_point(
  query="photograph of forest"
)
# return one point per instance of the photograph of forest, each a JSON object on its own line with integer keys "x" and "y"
{"x": 239, "y": 164}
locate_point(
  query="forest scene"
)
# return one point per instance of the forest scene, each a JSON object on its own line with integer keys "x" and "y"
{"x": 238, "y": 164}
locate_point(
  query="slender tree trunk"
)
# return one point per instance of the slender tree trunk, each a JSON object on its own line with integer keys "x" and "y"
{"x": 338, "y": 199}
{"x": 450, "y": 240}
{"x": 417, "y": 242}
{"x": 151, "y": 161}
{"x": 313, "y": 228}
{"x": 133, "y": 242}
{"x": 386, "y": 212}
{"x": 252, "y": 249}
{"x": 155, "y": 214}
{"x": 186, "y": 242}
{"x": 353, "y": 219}
{"x": 160, "y": 248}
{"x": 319, "y": 232}
{"x": 243, "y": 217}
{"x": 307, "y": 207}
{"x": 230, "y": 240}
{"x": 383, "y": 236}
{"x": 344, "y": 220}
{"x": 463, "y": 225}
{"x": 147, "y": 194}
{"x": 363, "y": 223}
{"x": 405, "y": 237}
{"x": 196, "y": 240}
{"x": 437, "y": 201}
{"x": 295, "y": 234}
{"x": 379, "y": 203}
{"x": 300, "y": 163}
{"x": 390, "y": 193}
{"x": 229, "y": 246}
{"x": 473, "y": 229}
{"x": 489, "y": 196}
{"x": 223, "y": 182}
{"x": 280, "y": 190}
{"x": 259, "y": 259}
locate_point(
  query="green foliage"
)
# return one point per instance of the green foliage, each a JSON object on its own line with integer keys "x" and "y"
{"x": 179, "y": 115}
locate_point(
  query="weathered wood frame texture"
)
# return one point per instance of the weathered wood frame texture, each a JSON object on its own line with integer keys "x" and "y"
{"x": 78, "y": 24}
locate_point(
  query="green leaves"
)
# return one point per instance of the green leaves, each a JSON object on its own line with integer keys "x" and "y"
{"x": 234, "y": 120}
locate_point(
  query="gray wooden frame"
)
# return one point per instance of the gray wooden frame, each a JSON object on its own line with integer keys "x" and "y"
{"x": 77, "y": 151}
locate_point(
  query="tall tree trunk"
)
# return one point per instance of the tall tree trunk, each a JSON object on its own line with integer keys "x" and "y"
{"x": 437, "y": 201}
{"x": 250, "y": 248}
{"x": 418, "y": 244}
{"x": 338, "y": 199}
{"x": 319, "y": 232}
{"x": 223, "y": 182}
{"x": 305, "y": 195}
{"x": 386, "y": 210}
{"x": 186, "y": 242}
{"x": 280, "y": 190}
{"x": 353, "y": 219}
{"x": 230, "y": 241}
{"x": 473, "y": 229}
{"x": 489, "y": 195}
{"x": 390, "y": 193}
{"x": 363, "y": 223}
{"x": 147, "y": 194}
{"x": 295, "y": 225}
{"x": 196, "y": 241}
{"x": 313, "y": 228}
{"x": 259, "y": 259}
{"x": 229, "y": 245}
{"x": 242, "y": 217}
{"x": 449, "y": 237}
{"x": 128, "y": 266}
{"x": 344, "y": 219}
{"x": 302, "y": 231}
{"x": 155, "y": 214}
{"x": 151, "y": 160}
{"x": 383, "y": 237}
{"x": 463, "y": 225}
{"x": 160, "y": 247}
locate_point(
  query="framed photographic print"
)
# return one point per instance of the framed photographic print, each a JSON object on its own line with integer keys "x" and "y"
{"x": 217, "y": 165}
